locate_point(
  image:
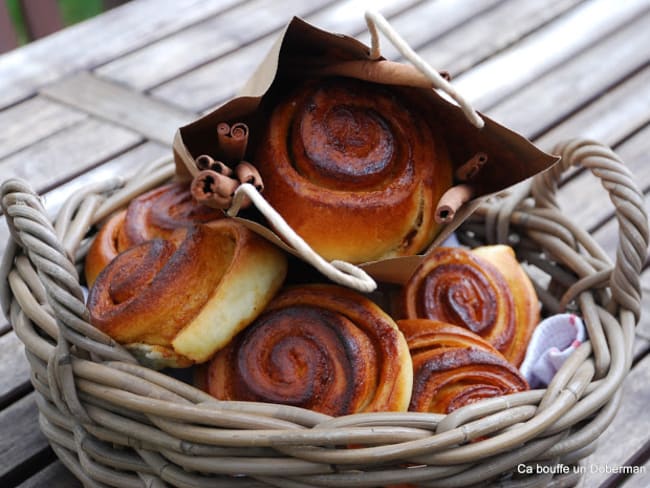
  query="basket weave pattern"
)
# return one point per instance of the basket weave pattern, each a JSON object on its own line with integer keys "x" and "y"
{"x": 115, "y": 423}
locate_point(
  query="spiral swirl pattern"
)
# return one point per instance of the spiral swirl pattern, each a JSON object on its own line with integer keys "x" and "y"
{"x": 189, "y": 298}
{"x": 321, "y": 347}
{"x": 158, "y": 213}
{"x": 484, "y": 290}
{"x": 355, "y": 168}
{"x": 453, "y": 367}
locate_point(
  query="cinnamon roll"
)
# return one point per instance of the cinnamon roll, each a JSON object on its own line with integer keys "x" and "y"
{"x": 484, "y": 290}
{"x": 157, "y": 213}
{"x": 453, "y": 367}
{"x": 321, "y": 347}
{"x": 176, "y": 301}
{"x": 356, "y": 168}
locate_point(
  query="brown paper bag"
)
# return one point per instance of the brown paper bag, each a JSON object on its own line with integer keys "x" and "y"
{"x": 303, "y": 51}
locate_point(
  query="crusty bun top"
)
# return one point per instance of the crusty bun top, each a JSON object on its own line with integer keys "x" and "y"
{"x": 356, "y": 168}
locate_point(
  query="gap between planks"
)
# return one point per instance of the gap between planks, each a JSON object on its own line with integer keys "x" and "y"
{"x": 122, "y": 106}
{"x": 96, "y": 41}
{"x": 203, "y": 87}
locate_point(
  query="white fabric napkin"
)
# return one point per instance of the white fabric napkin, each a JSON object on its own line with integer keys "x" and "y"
{"x": 553, "y": 341}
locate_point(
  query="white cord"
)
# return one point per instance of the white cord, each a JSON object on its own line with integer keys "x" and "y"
{"x": 340, "y": 272}
{"x": 376, "y": 22}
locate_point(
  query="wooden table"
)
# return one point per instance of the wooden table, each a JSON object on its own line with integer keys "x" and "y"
{"x": 105, "y": 96}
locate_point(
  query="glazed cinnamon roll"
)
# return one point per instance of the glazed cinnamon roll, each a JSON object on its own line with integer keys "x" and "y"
{"x": 484, "y": 290}
{"x": 356, "y": 168}
{"x": 157, "y": 213}
{"x": 176, "y": 301}
{"x": 453, "y": 367}
{"x": 321, "y": 347}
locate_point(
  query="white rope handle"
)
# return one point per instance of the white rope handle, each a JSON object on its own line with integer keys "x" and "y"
{"x": 340, "y": 272}
{"x": 376, "y": 22}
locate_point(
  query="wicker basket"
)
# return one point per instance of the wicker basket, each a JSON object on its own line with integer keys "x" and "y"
{"x": 113, "y": 422}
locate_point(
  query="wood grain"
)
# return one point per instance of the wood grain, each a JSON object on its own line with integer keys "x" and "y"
{"x": 21, "y": 440}
{"x": 586, "y": 70}
{"x": 639, "y": 480}
{"x": 427, "y": 21}
{"x": 347, "y": 16}
{"x": 602, "y": 119}
{"x": 623, "y": 432}
{"x": 499, "y": 76}
{"x": 97, "y": 41}
{"x": 121, "y": 106}
{"x": 168, "y": 58}
{"x": 55, "y": 475}
{"x": 484, "y": 35}
{"x": 54, "y": 160}
{"x": 36, "y": 119}
{"x": 14, "y": 369}
{"x": 211, "y": 84}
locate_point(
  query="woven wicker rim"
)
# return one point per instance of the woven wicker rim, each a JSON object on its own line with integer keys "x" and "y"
{"x": 113, "y": 422}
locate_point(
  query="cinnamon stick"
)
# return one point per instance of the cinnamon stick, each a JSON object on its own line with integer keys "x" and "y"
{"x": 223, "y": 130}
{"x": 232, "y": 144}
{"x": 213, "y": 189}
{"x": 471, "y": 167}
{"x": 205, "y": 161}
{"x": 451, "y": 201}
{"x": 247, "y": 173}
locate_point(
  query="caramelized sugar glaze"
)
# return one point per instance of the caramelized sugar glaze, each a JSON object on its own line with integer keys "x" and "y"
{"x": 355, "y": 168}
{"x": 321, "y": 347}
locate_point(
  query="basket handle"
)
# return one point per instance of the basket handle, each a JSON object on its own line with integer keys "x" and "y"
{"x": 32, "y": 230}
{"x": 628, "y": 201}
{"x": 377, "y": 22}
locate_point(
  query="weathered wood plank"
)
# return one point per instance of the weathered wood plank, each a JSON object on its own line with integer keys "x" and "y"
{"x": 219, "y": 80}
{"x": 347, "y": 16}
{"x": 639, "y": 480}
{"x": 583, "y": 196}
{"x": 56, "y": 475}
{"x": 492, "y": 31}
{"x": 21, "y": 440}
{"x": 96, "y": 41}
{"x": 430, "y": 20}
{"x": 213, "y": 83}
{"x": 32, "y": 120}
{"x": 624, "y": 432}
{"x": 122, "y": 106}
{"x": 493, "y": 80}
{"x": 55, "y": 159}
{"x": 557, "y": 94}
{"x": 177, "y": 54}
{"x": 14, "y": 369}
{"x": 610, "y": 118}
{"x": 641, "y": 348}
